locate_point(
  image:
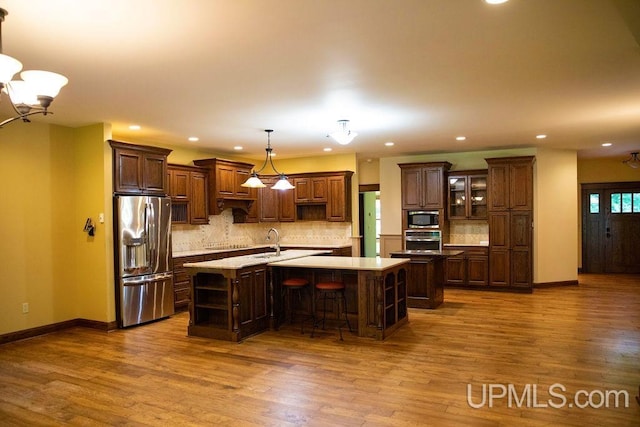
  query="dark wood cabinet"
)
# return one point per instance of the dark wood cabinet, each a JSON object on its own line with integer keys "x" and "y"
{"x": 425, "y": 279}
{"x": 139, "y": 169}
{"x": 337, "y": 205}
{"x": 310, "y": 189}
{"x": 510, "y": 204}
{"x": 470, "y": 268}
{"x": 423, "y": 185}
{"x": 275, "y": 205}
{"x": 225, "y": 179}
{"x": 188, "y": 191}
{"x": 467, "y": 195}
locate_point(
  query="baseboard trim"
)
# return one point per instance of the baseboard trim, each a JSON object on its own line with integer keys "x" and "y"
{"x": 555, "y": 284}
{"x": 55, "y": 327}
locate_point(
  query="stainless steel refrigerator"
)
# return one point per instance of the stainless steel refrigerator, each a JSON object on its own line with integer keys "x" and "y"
{"x": 144, "y": 280}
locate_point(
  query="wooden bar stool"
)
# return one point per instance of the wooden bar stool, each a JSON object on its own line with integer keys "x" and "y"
{"x": 291, "y": 286}
{"x": 333, "y": 291}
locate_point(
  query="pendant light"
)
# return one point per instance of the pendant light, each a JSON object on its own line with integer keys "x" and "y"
{"x": 34, "y": 93}
{"x": 254, "y": 180}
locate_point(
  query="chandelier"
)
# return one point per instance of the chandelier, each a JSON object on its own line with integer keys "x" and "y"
{"x": 34, "y": 93}
{"x": 633, "y": 161}
{"x": 343, "y": 136}
{"x": 255, "y": 182}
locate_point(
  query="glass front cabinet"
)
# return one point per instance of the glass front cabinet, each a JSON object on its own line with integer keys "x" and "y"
{"x": 467, "y": 195}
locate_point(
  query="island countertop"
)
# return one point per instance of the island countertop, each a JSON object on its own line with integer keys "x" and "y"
{"x": 341, "y": 263}
{"x": 240, "y": 262}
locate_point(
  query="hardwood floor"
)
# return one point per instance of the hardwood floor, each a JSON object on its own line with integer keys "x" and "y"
{"x": 584, "y": 337}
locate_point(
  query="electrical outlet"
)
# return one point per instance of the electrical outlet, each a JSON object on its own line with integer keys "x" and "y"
{"x": 101, "y": 218}
{"x": 25, "y": 307}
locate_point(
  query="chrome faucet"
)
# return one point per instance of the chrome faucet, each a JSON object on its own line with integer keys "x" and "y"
{"x": 277, "y": 245}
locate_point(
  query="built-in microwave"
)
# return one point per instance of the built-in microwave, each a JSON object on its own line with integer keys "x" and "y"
{"x": 423, "y": 219}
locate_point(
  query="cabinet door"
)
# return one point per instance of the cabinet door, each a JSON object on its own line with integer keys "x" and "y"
{"x": 521, "y": 186}
{"x": 500, "y": 188}
{"x": 477, "y": 270}
{"x": 303, "y": 189}
{"x": 241, "y": 176}
{"x": 286, "y": 205}
{"x": 499, "y": 230}
{"x": 433, "y": 188}
{"x": 199, "y": 198}
{"x": 268, "y": 201}
{"x": 455, "y": 270}
{"x": 128, "y": 171}
{"x": 477, "y": 191}
{"x": 499, "y": 267}
{"x": 226, "y": 180}
{"x": 252, "y": 301}
{"x": 412, "y": 185}
{"x": 179, "y": 184}
{"x": 338, "y": 207}
{"x": 457, "y": 197}
{"x": 521, "y": 235}
{"x": 154, "y": 173}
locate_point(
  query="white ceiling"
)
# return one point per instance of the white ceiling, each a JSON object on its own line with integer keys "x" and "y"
{"x": 415, "y": 72}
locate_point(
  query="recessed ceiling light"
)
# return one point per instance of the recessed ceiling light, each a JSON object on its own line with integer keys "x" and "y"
{"x": 194, "y": 139}
{"x": 389, "y": 144}
{"x": 460, "y": 138}
{"x": 327, "y": 149}
{"x": 238, "y": 147}
{"x": 607, "y": 144}
{"x": 496, "y": 1}
{"x": 541, "y": 136}
{"x": 134, "y": 127}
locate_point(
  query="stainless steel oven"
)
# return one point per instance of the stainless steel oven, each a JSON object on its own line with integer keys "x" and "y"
{"x": 422, "y": 240}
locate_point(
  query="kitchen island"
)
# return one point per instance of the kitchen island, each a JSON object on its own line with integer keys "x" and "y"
{"x": 376, "y": 288}
{"x": 232, "y": 297}
{"x": 236, "y": 297}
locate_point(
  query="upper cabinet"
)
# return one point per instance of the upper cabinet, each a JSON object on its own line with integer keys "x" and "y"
{"x": 423, "y": 185}
{"x": 225, "y": 189}
{"x": 324, "y": 196}
{"x": 189, "y": 194}
{"x": 310, "y": 189}
{"x": 511, "y": 183}
{"x": 139, "y": 169}
{"x": 275, "y": 205}
{"x": 467, "y": 195}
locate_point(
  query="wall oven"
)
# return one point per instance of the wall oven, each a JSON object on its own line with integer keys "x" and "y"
{"x": 422, "y": 240}
{"x": 423, "y": 219}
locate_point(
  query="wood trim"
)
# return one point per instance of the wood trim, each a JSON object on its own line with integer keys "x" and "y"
{"x": 368, "y": 187}
{"x": 55, "y": 327}
{"x": 555, "y": 284}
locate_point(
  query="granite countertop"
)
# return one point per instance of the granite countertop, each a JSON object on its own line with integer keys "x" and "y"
{"x": 243, "y": 261}
{"x": 341, "y": 263}
{"x": 484, "y": 243}
{"x": 207, "y": 251}
{"x": 444, "y": 253}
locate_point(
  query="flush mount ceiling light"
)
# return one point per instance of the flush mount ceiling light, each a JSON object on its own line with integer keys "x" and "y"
{"x": 343, "y": 136}
{"x": 633, "y": 161}
{"x": 34, "y": 93}
{"x": 255, "y": 182}
{"x": 496, "y": 1}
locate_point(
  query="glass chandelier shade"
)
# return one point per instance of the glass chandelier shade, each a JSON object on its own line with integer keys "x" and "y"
{"x": 343, "y": 136}
{"x": 34, "y": 93}
{"x": 254, "y": 180}
{"x": 633, "y": 161}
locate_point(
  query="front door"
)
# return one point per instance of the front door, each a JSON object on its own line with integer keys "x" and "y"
{"x": 611, "y": 228}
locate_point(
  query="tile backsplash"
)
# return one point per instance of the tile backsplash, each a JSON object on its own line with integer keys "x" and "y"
{"x": 468, "y": 232}
{"x": 222, "y": 233}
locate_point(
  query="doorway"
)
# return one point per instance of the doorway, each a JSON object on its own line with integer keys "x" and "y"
{"x": 611, "y": 227}
{"x": 370, "y": 220}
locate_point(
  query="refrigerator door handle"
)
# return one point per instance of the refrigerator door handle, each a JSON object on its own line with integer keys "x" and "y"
{"x": 147, "y": 278}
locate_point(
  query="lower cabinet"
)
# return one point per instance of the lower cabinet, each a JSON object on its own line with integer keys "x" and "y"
{"x": 471, "y": 268}
{"x": 231, "y": 306}
{"x": 425, "y": 281}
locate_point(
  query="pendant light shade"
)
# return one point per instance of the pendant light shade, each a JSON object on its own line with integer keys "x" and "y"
{"x": 633, "y": 161}
{"x": 254, "y": 180}
{"x": 343, "y": 136}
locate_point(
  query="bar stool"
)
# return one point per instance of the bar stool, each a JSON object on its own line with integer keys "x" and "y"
{"x": 290, "y": 286}
{"x": 335, "y": 292}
